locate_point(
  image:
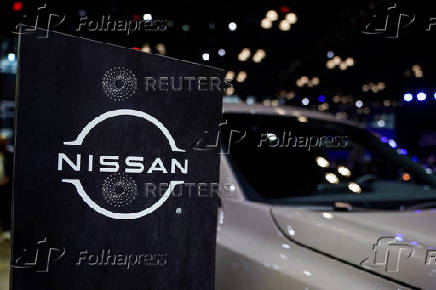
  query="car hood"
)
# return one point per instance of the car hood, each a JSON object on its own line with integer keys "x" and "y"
{"x": 396, "y": 245}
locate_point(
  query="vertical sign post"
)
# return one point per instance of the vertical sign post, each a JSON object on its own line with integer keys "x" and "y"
{"x": 111, "y": 188}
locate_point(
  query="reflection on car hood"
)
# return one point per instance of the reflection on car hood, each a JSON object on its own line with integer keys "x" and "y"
{"x": 398, "y": 245}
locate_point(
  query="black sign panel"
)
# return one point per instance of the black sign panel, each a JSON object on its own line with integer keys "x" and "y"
{"x": 112, "y": 190}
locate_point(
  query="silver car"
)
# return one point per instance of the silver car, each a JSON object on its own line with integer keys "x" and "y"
{"x": 310, "y": 202}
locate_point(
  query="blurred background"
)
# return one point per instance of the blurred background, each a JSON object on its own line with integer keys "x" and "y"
{"x": 371, "y": 62}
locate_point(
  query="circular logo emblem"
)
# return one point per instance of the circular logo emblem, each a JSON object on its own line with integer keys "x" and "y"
{"x": 119, "y": 83}
{"x": 119, "y": 190}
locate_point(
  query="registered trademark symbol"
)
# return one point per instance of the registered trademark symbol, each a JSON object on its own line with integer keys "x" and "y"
{"x": 178, "y": 210}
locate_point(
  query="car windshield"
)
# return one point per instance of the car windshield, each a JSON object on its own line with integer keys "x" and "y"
{"x": 310, "y": 162}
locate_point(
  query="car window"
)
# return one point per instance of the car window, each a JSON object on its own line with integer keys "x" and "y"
{"x": 305, "y": 161}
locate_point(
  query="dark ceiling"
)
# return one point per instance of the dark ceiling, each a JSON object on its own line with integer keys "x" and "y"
{"x": 322, "y": 26}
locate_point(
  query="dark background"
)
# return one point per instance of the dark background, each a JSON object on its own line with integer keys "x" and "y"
{"x": 321, "y": 26}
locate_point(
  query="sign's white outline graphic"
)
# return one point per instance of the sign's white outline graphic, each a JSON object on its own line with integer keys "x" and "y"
{"x": 78, "y": 185}
{"x": 125, "y": 112}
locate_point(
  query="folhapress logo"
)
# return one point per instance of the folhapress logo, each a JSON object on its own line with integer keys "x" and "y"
{"x": 39, "y": 257}
{"x": 387, "y": 254}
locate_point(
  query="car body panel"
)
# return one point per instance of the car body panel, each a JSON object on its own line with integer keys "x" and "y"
{"x": 262, "y": 246}
{"x": 252, "y": 254}
{"x": 350, "y": 236}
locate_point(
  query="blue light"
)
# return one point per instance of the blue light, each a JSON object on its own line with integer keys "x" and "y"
{"x": 321, "y": 99}
{"x": 402, "y": 151}
{"x": 408, "y": 97}
{"x": 414, "y": 158}
{"x": 384, "y": 139}
{"x": 399, "y": 237}
{"x": 421, "y": 96}
{"x": 434, "y": 95}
